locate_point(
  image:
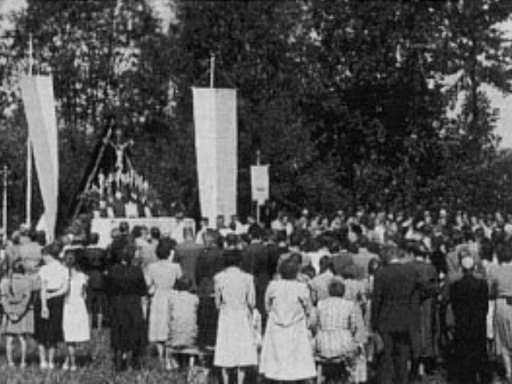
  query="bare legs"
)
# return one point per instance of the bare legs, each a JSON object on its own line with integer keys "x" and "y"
{"x": 240, "y": 375}
{"x": 42, "y": 357}
{"x": 8, "y": 350}
{"x": 160, "y": 347}
{"x": 505, "y": 353}
{"x": 70, "y": 362}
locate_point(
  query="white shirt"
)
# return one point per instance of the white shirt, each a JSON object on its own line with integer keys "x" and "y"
{"x": 131, "y": 210}
{"x": 54, "y": 275}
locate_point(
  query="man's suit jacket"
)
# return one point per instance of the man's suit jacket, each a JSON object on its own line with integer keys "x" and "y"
{"x": 395, "y": 300}
{"x": 469, "y": 300}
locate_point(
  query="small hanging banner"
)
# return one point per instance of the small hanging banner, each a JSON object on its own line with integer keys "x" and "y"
{"x": 260, "y": 186}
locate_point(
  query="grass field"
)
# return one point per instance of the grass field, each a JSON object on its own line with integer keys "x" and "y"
{"x": 95, "y": 367}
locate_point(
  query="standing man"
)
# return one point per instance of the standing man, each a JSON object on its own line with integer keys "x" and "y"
{"x": 394, "y": 316}
{"x": 469, "y": 299}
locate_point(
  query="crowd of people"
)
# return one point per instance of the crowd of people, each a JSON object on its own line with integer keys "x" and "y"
{"x": 372, "y": 296}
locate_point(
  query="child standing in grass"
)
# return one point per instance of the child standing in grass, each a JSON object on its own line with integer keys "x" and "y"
{"x": 75, "y": 322}
{"x": 16, "y": 290}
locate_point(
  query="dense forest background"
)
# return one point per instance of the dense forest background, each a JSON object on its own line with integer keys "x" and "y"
{"x": 346, "y": 100}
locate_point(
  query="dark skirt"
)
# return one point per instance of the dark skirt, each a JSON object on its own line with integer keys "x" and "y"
{"x": 128, "y": 327}
{"x": 207, "y": 319}
{"x": 48, "y": 332}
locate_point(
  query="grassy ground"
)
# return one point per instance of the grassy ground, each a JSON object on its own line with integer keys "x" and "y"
{"x": 95, "y": 367}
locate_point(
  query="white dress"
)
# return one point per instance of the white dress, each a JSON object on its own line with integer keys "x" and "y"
{"x": 287, "y": 353}
{"x": 235, "y": 298}
{"x": 75, "y": 322}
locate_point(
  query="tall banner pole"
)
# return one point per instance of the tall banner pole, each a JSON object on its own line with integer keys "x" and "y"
{"x": 28, "y": 213}
{"x": 5, "y": 174}
{"x": 258, "y": 207}
{"x": 212, "y": 70}
{"x": 260, "y": 184}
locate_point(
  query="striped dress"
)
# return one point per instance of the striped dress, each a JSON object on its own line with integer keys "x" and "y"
{"x": 335, "y": 317}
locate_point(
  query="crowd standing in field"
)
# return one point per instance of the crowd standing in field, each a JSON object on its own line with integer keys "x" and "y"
{"x": 369, "y": 296}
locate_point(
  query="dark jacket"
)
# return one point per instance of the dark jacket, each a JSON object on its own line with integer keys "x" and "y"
{"x": 469, "y": 300}
{"x": 208, "y": 264}
{"x": 395, "y": 305}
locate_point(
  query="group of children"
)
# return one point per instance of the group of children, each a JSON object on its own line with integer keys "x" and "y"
{"x": 48, "y": 305}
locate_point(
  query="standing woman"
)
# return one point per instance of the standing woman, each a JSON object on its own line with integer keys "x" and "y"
{"x": 287, "y": 353}
{"x": 75, "y": 322}
{"x": 160, "y": 277}
{"x": 235, "y": 299}
{"x": 48, "y": 307}
{"x": 501, "y": 288}
{"x": 16, "y": 292}
{"x": 125, "y": 286}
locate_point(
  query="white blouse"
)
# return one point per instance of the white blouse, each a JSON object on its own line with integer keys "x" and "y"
{"x": 54, "y": 274}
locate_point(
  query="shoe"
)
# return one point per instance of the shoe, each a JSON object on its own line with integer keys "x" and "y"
{"x": 65, "y": 366}
{"x": 51, "y": 366}
{"x": 43, "y": 365}
{"x": 10, "y": 365}
{"x": 23, "y": 365}
{"x": 73, "y": 368}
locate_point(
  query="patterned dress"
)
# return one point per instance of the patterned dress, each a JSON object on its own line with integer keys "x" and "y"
{"x": 501, "y": 283}
{"x": 335, "y": 317}
{"x": 18, "y": 316}
{"x": 183, "y": 319}
{"x": 161, "y": 277}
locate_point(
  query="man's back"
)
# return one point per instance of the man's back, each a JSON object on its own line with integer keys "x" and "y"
{"x": 255, "y": 259}
{"x": 209, "y": 262}
{"x": 394, "y": 305}
{"x": 469, "y": 299}
{"x": 362, "y": 260}
{"x": 187, "y": 255}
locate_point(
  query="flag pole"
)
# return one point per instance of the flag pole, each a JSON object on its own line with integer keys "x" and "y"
{"x": 212, "y": 70}
{"x": 258, "y": 208}
{"x": 5, "y": 173}
{"x": 28, "y": 208}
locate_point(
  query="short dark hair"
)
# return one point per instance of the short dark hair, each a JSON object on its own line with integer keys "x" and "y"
{"x": 504, "y": 253}
{"x": 137, "y": 231}
{"x": 232, "y": 258}
{"x": 295, "y": 240}
{"x": 155, "y": 233}
{"x": 295, "y": 258}
{"x": 231, "y": 240}
{"x": 124, "y": 227}
{"x": 309, "y": 271}
{"x": 289, "y": 269}
{"x": 32, "y": 234}
{"x": 164, "y": 248}
{"x": 127, "y": 253}
{"x": 255, "y": 232}
{"x": 389, "y": 252}
{"x": 326, "y": 263}
{"x": 373, "y": 265}
{"x": 18, "y": 266}
{"x": 336, "y": 288}
{"x": 184, "y": 283}
{"x": 53, "y": 250}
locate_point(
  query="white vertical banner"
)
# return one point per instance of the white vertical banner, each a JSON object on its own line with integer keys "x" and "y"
{"x": 39, "y": 105}
{"x": 216, "y": 139}
{"x": 260, "y": 186}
